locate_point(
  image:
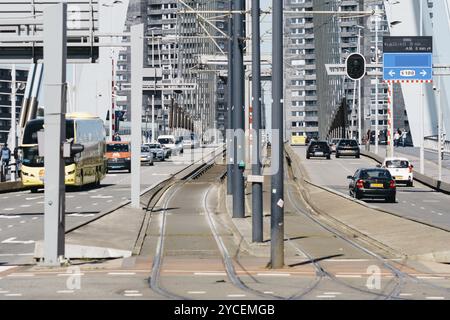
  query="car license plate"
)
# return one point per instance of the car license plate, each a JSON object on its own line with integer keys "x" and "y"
{"x": 318, "y": 153}
{"x": 398, "y": 178}
{"x": 376, "y": 185}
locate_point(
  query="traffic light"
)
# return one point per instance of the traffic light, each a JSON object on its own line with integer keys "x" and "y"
{"x": 355, "y": 66}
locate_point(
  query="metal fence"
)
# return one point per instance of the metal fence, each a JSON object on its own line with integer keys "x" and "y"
{"x": 431, "y": 142}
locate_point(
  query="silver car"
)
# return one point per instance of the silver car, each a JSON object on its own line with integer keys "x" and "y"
{"x": 159, "y": 153}
{"x": 146, "y": 156}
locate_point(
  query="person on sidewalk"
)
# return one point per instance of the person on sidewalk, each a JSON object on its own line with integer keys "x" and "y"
{"x": 6, "y": 157}
{"x": 404, "y": 136}
{"x": 396, "y": 138}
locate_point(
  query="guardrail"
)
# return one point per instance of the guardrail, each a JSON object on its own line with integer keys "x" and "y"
{"x": 431, "y": 142}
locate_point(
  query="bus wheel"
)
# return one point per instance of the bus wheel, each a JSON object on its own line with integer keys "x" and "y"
{"x": 34, "y": 190}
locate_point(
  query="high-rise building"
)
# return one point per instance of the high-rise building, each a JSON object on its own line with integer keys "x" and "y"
{"x": 5, "y": 98}
{"x": 319, "y": 105}
{"x": 176, "y": 38}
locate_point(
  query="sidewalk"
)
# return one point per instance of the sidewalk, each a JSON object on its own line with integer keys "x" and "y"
{"x": 413, "y": 154}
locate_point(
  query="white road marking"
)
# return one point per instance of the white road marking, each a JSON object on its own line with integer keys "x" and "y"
{"x": 325, "y": 296}
{"x": 430, "y": 278}
{"x": 13, "y": 255}
{"x": 268, "y": 292}
{"x": 121, "y": 273}
{"x": 70, "y": 274}
{"x": 236, "y": 295}
{"x": 332, "y": 293}
{"x": 347, "y": 260}
{"x": 23, "y": 221}
{"x": 8, "y": 209}
{"x": 21, "y": 275}
{"x": 440, "y": 214}
{"x": 422, "y": 208}
{"x": 435, "y": 298}
{"x": 13, "y": 295}
{"x": 413, "y": 204}
{"x": 4, "y": 291}
{"x": 13, "y": 241}
{"x": 274, "y": 274}
{"x": 5, "y": 198}
{"x": 160, "y": 174}
{"x": 133, "y": 294}
{"x": 10, "y": 226}
{"x": 78, "y": 207}
{"x": 81, "y": 215}
{"x": 405, "y": 294}
{"x": 131, "y": 291}
{"x": 65, "y": 291}
{"x": 70, "y": 196}
{"x": 33, "y": 198}
{"x": 101, "y": 197}
{"x": 196, "y": 292}
{"x": 8, "y": 217}
{"x": 210, "y": 274}
{"x": 348, "y": 276}
{"x": 34, "y": 218}
{"x": 431, "y": 201}
{"x": 109, "y": 201}
{"x": 40, "y": 202}
{"x": 25, "y": 205}
{"x": 94, "y": 204}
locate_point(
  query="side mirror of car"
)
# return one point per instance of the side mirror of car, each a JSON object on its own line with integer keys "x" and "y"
{"x": 349, "y": 177}
{"x": 378, "y": 165}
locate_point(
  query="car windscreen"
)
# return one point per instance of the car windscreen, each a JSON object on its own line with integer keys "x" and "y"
{"x": 397, "y": 164}
{"x": 145, "y": 149}
{"x": 375, "y": 174}
{"x": 348, "y": 143}
{"x": 117, "y": 147}
{"x": 319, "y": 144}
{"x": 165, "y": 141}
{"x": 154, "y": 146}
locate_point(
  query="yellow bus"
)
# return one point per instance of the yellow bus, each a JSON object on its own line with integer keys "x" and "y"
{"x": 87, "y": 167}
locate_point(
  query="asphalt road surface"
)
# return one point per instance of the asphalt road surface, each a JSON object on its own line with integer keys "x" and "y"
{"x": 21, "y": 213}
{"x": 419, "y": 202}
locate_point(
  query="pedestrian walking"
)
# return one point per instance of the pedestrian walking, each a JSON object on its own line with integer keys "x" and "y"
{"x": 6, "y": 157}
{"x": 396, "y": 138}
{"x": 403, "y": 137}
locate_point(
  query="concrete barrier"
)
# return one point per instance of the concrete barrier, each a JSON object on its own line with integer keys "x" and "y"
{"x": 426, "y": 180}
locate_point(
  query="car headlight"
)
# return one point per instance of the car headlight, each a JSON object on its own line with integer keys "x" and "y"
{"x": 128, "y": 159}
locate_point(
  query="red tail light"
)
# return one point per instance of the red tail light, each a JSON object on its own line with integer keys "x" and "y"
{"x": 392, "y": 184}
{"x": 410, "y": 169}
{"x": 359, "y": 184}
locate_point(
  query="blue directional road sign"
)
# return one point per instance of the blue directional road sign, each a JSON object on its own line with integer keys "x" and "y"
{"x": 407, "y": 66}
{"x": 407, "y": 59}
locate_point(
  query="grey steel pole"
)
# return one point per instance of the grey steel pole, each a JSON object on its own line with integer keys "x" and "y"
{"x": 421, "y": 107}
{"x": 440, "y": 129}
{"x": 277, "y": 195}
{"x": 239, "y": 110}
{"x": 257, "y": 187}
{"x": 137, "y": 58}
{"x": 13, "y": 118}
{"x": 376, "y": 86}
{"x": 55, "y": 55}
{"x": 230, "y": 125}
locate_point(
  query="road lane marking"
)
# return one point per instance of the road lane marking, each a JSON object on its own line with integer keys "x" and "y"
{"x": 40, "y": 202}
{"x": 34, "y": 218}
{"x": 131, "y": 291}
{"x": 9, "y": 209}
{"x": 405, "y": 294}
{"x": 268, "y": 292}
{"x": 65, "y": 291}
{"x": 440, "y": 214}
{"x": 10, "y": 226}
{"x": 435, "y": 298}
{"x": 431, "y": 201}
{"x": 196, "y": 292}
{"x": 13, "y": 295}
{"x": 109, "y": 201}
{"x": 236, "y": 295}
{"x": 430, "y": 277}
{"x": 348, "y": 276}
{"x": 20, "y": 275}
{"x": 210, "y": 274}
{"x": 69, "y": 274}
{"x": 274, "y": 274}
{"x": 23, "y": 221}
{"x": 133, "y": 294}
{"x": 332, "y": 293}
{"x": 413, "y": 204}
{"x": 33, "y": 198}
{"x": 13, "y": 240}
{"x": 325, "y": 296}
{"x": 422, "y": 208}
{"x": 81, "y": 215}
{"x": 94, "y": 204}
{"x": 121, "y": 273}
{"x": 25, "y": 205}
{"x": 4, "y": 291}
{"x": 101, "y": 197}
{"x": 8, "y": 217}
{"x": 5, "y": 268}
{"x": 13, "y": 255}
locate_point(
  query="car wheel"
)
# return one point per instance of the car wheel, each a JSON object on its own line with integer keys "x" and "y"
{"x": 358, "y": 196}
{"x": 34, "y": 190}
{"x": 307, "y": 157}
{"x": 129, "y": 170}
{"x": 337, "y": 156}
{"x": 328, "y": 157}
{"x": 410, "y": 184}
{"x": 358, "y": 156}
{"x": 390, "y": 199}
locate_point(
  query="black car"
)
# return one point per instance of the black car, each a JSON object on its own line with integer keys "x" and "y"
{"x": 318, "y": 149}
{"x": 347, "y": 147}
{"x": 372, "y": 183}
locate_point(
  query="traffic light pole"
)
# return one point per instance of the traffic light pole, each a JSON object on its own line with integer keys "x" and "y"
{"x": 257, "y": 199}
{"x": 238, "y": 110}
{"x": 230, "y": 127}
{"x": 277, "y": 194}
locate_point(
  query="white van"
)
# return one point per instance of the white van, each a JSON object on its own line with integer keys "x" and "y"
{"x": 171, "y": 142}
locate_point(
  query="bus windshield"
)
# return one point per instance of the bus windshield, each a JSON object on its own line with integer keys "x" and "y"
{"x": 31, "y": 157}
{"x": 33, "y": 126}
{"x": 117, "y": 147}
{"x": 166, "y": 141}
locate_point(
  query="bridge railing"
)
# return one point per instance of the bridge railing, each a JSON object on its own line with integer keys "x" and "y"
{"x": 431, "y": 142}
